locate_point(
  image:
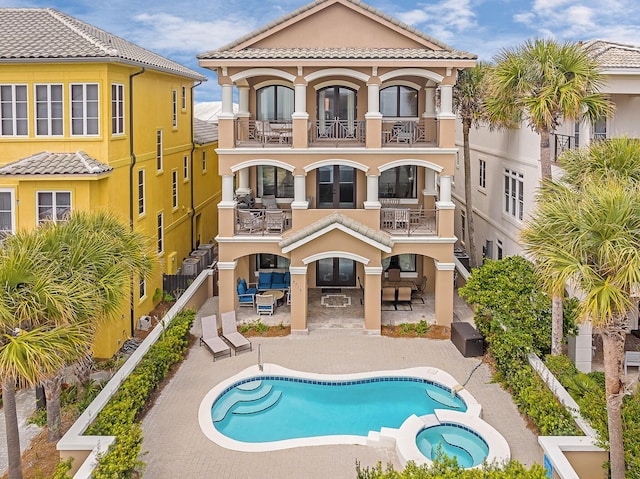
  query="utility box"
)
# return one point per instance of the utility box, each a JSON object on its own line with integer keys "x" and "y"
{"x": 191, "y": 266}
{"x": 467, "y": 339}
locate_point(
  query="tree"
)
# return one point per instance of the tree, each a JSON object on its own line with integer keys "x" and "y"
{"x": 545, "y": 83}
{"x": 468, "y": 102}
{"x": 589, "y": 236}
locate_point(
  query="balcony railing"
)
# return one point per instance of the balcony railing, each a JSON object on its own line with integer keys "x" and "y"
{"x": 561, "y": 144}
{"x": 408, "y": 222}
{"x": 409, "y": 132}
{"x": 338, "y": 132}
{"x": 262, "y": 132}
{"x": 262, "y": 222}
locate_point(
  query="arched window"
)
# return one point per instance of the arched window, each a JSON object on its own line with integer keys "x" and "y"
{"x": 274, "y": 102}
{"x": 399, "y": 101}
{"x": 399, "y": 182}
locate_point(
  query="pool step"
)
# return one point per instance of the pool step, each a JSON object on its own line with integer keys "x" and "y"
{"x": 260, "y": 406}
{"x": 443, "y": 398}
{"x": 238, "y": 396}
{"x": 250, "y": 386}
{"x": 467, "y": 445}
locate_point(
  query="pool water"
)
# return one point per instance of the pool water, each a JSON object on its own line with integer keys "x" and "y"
{"x": 453, "y": 440}
{"x": 265, "y": 409}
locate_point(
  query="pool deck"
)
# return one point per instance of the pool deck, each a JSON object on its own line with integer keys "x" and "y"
{"x": 174, "y": 446}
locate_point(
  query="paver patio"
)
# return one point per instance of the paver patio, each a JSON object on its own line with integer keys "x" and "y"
{"x": 176, "y": 448}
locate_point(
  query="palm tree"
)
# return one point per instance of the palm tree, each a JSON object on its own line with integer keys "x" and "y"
{"x": 468, "y": 102}
{"x": 590, "y": 237}
{"x": 545, "y": 83}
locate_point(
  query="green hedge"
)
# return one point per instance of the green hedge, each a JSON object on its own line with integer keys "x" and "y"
{"x": 444, "y": 468}
{"x": 514, "y": 316}
{"x": 120, "y": 416}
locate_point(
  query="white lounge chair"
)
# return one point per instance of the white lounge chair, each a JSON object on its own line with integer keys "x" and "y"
{"x": 231, "y": 334}
{"x": 211, "y": 339}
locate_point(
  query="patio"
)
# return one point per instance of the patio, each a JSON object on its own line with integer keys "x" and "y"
{"x": 177, "y": 448}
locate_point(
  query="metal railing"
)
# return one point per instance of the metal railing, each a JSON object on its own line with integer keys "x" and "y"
{"x": 409, "y": 132}
{"x": 408, "y": 222}
{"x": 262, "y": 222}
{"x": 561, "y": 144}
{"x": 262, "y": 132}
{"x": 337, "y": 131}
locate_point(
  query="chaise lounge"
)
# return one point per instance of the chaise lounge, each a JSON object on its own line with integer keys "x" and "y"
{"x": 231, "y": 334}
{"x": 211, "y": 339}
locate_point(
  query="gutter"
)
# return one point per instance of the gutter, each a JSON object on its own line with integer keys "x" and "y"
{"x": 131, "y": 167}
{"x": 193, "y": 148}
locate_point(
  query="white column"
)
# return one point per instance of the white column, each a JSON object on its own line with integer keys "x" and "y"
{"x": 429, "y": 100}
{"x": 445, "y": 189}
{"x": 243, "y": 101}
{"x": 300, "y": 101}
{"x": 446, "y": 102}
{"x": 429, "y": 183}
{"x": 227, "y": 192}
{"x": 585, "y": 133}
{"x": 372, "y": 203}
{"x": 373, "y": 95}
{"x": 243, "y": 182}
{"x": 227, "y": 101}
{"x": 299, "y": 193}
{"x": 580, "y": 349}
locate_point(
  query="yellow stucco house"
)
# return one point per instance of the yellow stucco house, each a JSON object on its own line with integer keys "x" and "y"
{"x": 90, "y": 121}
{"x": 338, "y": 165}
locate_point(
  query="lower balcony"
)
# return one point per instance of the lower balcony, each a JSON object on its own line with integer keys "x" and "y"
{"x": 401, "y": 221}
{"x": 262, "y": 222}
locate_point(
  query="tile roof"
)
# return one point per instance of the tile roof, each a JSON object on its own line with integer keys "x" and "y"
{"x": 204, "y": 132}
{"x": 337, "y": 54}
{"x": 36, "y": 34}
{"x": 46, "y": 163}
{"x": 337, "y": 218}
{"x": 217, "y": 54}
{"x": 612, "y": 55}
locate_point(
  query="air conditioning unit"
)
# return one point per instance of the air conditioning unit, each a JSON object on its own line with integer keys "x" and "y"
{"x": 190, "y": 266}
{"x": 144, "y": 323}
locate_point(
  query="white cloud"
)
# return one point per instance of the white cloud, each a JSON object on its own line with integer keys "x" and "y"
{"x": 444, "y": 19}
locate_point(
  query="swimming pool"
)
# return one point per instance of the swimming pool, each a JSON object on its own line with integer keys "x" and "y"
{"x": 238, "y": 412}
{"x": 453, "y": 440}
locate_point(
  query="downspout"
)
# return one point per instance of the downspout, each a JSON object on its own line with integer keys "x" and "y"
{"x": 131, "y": 167}
{"x": 193, "y": 148}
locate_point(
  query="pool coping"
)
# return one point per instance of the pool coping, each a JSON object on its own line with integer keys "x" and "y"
{"x": 386, "y": 436}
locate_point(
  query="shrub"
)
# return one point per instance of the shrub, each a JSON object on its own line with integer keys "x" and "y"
{"x": 119, "y": 417}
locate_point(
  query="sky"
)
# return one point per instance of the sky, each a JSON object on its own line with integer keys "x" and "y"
{"x": 181, "y": 29}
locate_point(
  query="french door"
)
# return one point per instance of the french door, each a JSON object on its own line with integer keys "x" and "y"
{"x": 336, "y": 187}
{"x": 336, "y": 272}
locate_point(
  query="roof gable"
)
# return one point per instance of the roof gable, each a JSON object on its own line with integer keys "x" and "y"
{"x": 336, "y": 24}
{"x": 613, "y": 55}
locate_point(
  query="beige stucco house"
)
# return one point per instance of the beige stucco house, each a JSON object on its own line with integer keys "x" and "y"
{"x": 345, "y": 141}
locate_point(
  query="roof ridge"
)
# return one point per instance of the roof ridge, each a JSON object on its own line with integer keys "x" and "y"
{"x": 66, "y": 20}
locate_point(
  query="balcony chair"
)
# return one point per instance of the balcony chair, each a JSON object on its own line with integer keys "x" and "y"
{"x": 269, "y": 202}
{"x": 274, "y": 220}
{"x": 211, "y": 339}
{"x": 404, "y": 296}
{"x": 248, "y": 221}
{"x": 264, "y": 133}
{"x": 265, "y": 304}
{"x": 401, "y": 218}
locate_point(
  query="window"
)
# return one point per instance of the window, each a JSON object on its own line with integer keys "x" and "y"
{"x": 463, "y": 226}
{"x": 117, "y": 109}
{"x": 14, "y": 120}
{"x": 174, "y": 108}
{"x": 204, "y": 161}
{"x": 275, "y": 181}
{"x": 274, "y": 102}
{"x": 7, "y": 218}
{"x": 272, "y": 261}
{"x": 499, "y": 249}
{"x": 185, "y": 168}
{"x": 399, "y": 182}
{"x": 184, "y": 97}
{"x": 141, "y": 205}
{"x": 84, "y": 109}
{"x": 406, "y": 263}
{"x": 159, "y": 150}
{"x": 53, "y": 206}
{"x": 600, "y": 129}
{"x": 174, "y": 189}
{"x": 483, "y": 173}
{"x": 143, "y": 288}
{"x": 399, "y": 101}
{"x": 513, "y": 193}
{"x": 49, "y": 110}
{"x": 160, "y": 233}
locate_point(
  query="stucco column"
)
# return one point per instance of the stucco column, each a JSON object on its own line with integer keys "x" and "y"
{"x": 243, "y": 182}
{"x": 227, "y": 100}
{"x": 446, "y": 118}
{"x": 226, "y": 133}
{"x": 580, "y": 347}
{"x": 243, "y": 99}
{"x": 299, "y": 193}
{"x": 227, "y": 208}
{"x": 299, "y": 299}
{"x": 444, "y": 293}
{"x": 372, "y": 202}
{"x": 373, "y": 115}
{"x": 445, "y": 189}
{"x": 372, "y": 292}
{"x": 445, "y": 209}
{"x": 227, "y": 190}
{"x": 227, "y": 298}
{"x": 300, "y": 117}
{"x": 429, "y": 114}
{"x": 446, "y": 100}
{"x": 585, "y": 133}
{"x": 430, "y": 188}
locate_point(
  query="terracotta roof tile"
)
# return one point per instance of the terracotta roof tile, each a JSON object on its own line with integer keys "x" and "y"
{"x": 204, "y": 132}
{"x": 46, "y": 163}
{"x": 612, "y": 55}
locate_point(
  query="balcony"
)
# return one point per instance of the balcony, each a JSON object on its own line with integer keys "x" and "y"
{"x": 252, "y": 133}
{"x": 337, "y": 132}
{"x": 410, "y": 132}
{"x": 261, "y": 222}
{"x": 400, "y": 221}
